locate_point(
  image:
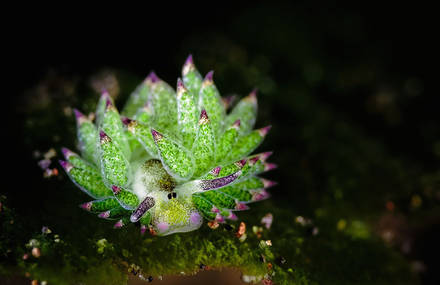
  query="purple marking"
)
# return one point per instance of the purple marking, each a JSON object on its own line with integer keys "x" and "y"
{"x": 103, "y": 135}
{"x": 252, "y": 97}
{"x": 260, "y": 195}
{"x": 232, "y": 216}
{"x": 86, "y": 206}
{"x": 219, "y": 218}
{"x": 44, "y": 163}
{"x": 240, "y": 164}
{"x": 265, "y": 155}
{"x": 45, "y": 230}
{"x": 104, "y": 215}
{"x": 227, "y": 101}
{"x": 267, "y": 220}
{"x": 156, "y": 135}
{"x": 263, "y": 131}
{"x": 241, "y": 206}
{"x": 119, "y": 224}
{"x": 143, "y": 229}
{"x": 180, "y": 84}
{"x": 162, "y": 226}
{"x": 66, "y": 165}
{"x": 126, "y": 121}
{"x": 116, "y": 190}
{"x": 269, "y": 166}
{"x": 108, "y": 103}
{"x": 153, "y": 77}
{"x": 189, "y": 60}
{"x": 209, "y": 76}
{"x": 268, "y": 183}
{"x": 215, "y": 209}
{"x": 216, "y": 170}
{"x": 195, "y": 218}
{"x": 219, "y": 182}
{"x": 254, "y": 92}
{"x": 67, "y": 152}
{"x": 78, "y": 114}
{"x": 265, "y": 194}
{"x": 237, "y": 123}
{"x": 144, "y": 206}
{"x": 104, "y": 92}
{"x": 203, "y": 115}
{"x": 254, "y": 160}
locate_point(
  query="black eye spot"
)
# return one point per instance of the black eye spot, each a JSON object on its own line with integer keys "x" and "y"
{"x": 174, "y": 194}
{"x": 169, "y": 195}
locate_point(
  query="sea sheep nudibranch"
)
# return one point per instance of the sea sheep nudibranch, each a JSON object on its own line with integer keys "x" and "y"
{"x": 171, "y": 158}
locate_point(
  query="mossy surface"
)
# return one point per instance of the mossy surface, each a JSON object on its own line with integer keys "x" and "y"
{"x": 107, "y": 256}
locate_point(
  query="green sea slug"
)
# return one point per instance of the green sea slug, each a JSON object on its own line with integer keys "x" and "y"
{"x": 171, "y": 158}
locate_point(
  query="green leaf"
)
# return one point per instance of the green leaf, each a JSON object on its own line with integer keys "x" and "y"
{"x": 177, "y": 160}
{"x": 204, "y": 146}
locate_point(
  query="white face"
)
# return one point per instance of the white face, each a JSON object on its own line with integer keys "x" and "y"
{"x": 175, "y": 215}
{"x": 168, "y": 215}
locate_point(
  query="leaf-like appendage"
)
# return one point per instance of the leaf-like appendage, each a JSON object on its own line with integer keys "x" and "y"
{"x": 204, "y": 146}
{"x": 114, "y": 166}
{"x": 246, "y": 112}
{"x": 176, "y": 159}
{"x": 173, "y": 157}
{"x": 210, "y": 100}
{"x": 88, "y": 181}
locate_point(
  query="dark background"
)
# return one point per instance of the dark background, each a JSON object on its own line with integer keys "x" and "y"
{"x": 372, "y": 65}
{"x": 383, "y": 44}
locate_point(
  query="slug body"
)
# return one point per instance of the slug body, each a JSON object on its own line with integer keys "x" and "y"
{"x": 171, "y": 158}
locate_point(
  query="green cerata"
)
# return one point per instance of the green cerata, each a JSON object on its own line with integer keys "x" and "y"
{"x": 171, "y": 158}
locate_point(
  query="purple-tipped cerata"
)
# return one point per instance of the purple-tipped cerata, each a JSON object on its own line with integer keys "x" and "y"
{"x": 219, "y": 182}
{"x": 143, "y": 207}
{"x": 209, "y": 77}
{"x": 152, "y": 77}
{"x": 66, "y": 165}
{"x": 173, "y": 156}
